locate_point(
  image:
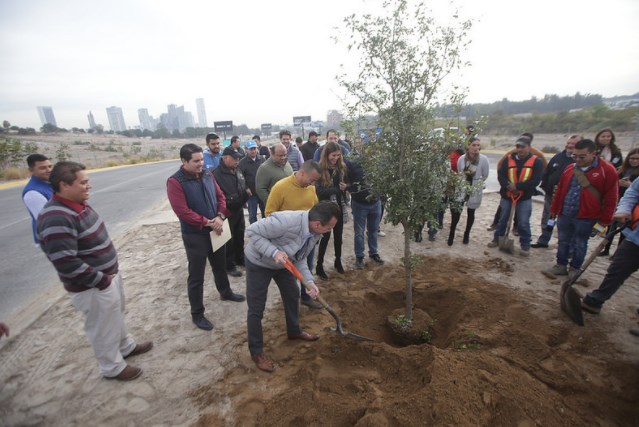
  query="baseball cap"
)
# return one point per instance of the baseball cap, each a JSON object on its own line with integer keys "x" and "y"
{"x": 228, "y": 151}
{"x": 251, "y": 144}
{"x": 522, "y": 141}
{"x": 312, "y": 133}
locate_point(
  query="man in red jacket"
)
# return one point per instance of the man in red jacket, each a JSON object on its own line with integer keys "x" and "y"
{"x": 586, "y": 194}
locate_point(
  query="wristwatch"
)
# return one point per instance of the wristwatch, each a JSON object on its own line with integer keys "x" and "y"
{"x": 222, "y": 216}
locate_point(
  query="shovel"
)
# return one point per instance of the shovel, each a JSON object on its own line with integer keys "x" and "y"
{"x": 570, "y": 299}
{"x": 339, "y": 329}
{"x": 506, "y": 244}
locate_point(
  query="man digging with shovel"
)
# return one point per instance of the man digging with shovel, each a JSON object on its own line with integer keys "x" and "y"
{"x": 272, "y": 241}
{"x": 518, "y": 177}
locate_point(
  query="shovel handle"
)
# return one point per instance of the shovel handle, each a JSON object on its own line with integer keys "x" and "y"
{"x": 291, "y": 267}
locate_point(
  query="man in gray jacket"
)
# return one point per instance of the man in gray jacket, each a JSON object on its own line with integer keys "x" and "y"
{"x": 272, "y": 241}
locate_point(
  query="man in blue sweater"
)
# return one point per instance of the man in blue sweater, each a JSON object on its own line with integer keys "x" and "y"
{"x": 38, "y": 191}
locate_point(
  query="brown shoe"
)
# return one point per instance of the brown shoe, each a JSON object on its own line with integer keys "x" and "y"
{"x": 129, "y": 373}
{"x": 140, "y": 348}
{"x": 263, "y": 363}
{"x": 304, "y": 336}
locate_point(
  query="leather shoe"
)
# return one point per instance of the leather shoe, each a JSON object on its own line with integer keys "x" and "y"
{"x": 234, "y": 273}
{"x": 538, "y": 245}
{"x": 311, "y": 303}
{"x": 232, "y": 296}
{"x": 140, "y": 348}
{"x": 305, "y": 336}
{"x": 202, "y": 322}
{"x": 377, "y": 259}
{"x": 263, "y": 363}
{"x": 338, "y": 266}
{"x": 129, "y": 373}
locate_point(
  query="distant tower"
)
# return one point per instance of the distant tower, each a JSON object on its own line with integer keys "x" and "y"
{"x": 91, "y": 120}
{"x": 201, "y": 112}
{"x": 116, "y": 119}
{"x": 146, "y": 122}
{"x": 334, "y": 119}
{"x": 46, "y": 116}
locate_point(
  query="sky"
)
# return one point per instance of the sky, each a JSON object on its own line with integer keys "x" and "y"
{"x": 259, "y": 62}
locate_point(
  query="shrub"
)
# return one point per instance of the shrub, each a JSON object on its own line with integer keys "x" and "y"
{"x": 550, "y": 149}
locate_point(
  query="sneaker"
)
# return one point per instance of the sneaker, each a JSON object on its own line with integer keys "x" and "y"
{"x": 524, "y": 252}
{"x": 491, "y": 227}
{"x": 557, "y": 270}
{"x": 589, "y": 308}
{"x": 359, "y": 263}
{"x": 377, "y": 259}
{"x": 538, "y": 245}
{"x": 380, "y": 233}
{"x": 493, "y": 244}
{"x": 311, "y": 303}
{"x": 129, "y": 373}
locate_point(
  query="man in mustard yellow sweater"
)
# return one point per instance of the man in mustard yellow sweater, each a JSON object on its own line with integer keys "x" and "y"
{"x": 297, "y": 193}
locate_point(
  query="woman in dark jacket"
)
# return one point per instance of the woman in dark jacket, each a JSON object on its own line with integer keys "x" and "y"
{"x": 332, "y": 186}
{"x": 606, "y": 147}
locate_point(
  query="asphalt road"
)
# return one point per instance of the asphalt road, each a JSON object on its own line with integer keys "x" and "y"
{"x": 119, "y": 195}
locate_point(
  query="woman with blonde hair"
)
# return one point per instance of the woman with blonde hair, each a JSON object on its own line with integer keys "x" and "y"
{"x": 332, "y": 186}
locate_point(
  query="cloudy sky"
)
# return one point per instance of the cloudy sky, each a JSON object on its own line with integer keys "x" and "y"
{"x": 266, "y": 61}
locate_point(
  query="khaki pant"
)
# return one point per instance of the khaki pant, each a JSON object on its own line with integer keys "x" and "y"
{"x": 104, "y": 325}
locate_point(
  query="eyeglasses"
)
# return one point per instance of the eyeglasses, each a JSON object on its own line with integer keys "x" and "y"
{"x": 579, "y": 156}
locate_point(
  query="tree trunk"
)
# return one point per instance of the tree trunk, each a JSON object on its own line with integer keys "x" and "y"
{"x": 408, "y": 271}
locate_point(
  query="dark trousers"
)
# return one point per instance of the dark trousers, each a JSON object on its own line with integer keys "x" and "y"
{"x": 258, "y": 280}
{"x": 624, "y": 263}
{"x": 235, "y": 246}
{"x": 198, "y": 250}
{"x": 337, "y": 241}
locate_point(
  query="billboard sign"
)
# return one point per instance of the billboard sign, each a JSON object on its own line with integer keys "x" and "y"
{"x": 300, "y": 120}
{"x": 225, "y": 126}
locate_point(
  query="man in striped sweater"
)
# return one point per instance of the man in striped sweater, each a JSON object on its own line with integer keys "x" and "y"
{"x": 75, "y": 239}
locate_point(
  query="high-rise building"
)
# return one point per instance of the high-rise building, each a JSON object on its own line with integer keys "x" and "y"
{"x": 46, "y": 116}
{"x": 116, "y": 119}
{"x": 91, "y": 120}
{"x": 334, "y": 119}
{"x": 201, "y": 112}
{"x": 146, "y": 121}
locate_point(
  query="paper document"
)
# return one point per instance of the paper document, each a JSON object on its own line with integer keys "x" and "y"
{"x": 219, "y": 240}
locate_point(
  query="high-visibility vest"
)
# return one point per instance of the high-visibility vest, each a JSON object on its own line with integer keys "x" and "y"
{"x": 526, "y": 170}
{"x": 634, "y": 219}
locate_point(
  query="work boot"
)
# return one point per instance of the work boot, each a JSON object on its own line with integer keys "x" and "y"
{"x": 359, "y": 263}
{"x": 376, "y": 258}
{"x": 451, "y": 237}
{"x": 493, "y": 244}
{"x": 557, "y": 270}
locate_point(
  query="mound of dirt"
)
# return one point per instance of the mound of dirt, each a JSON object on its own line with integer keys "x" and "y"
{"x": 491, "y": 361}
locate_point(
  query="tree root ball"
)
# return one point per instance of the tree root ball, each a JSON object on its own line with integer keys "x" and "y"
{"x": 418, "y": 330}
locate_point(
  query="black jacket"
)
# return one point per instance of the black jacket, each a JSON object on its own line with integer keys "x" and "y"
{"x": 249, "y": 167}
{"x": 234, "y": 187}
{"x": 553, "y": 171}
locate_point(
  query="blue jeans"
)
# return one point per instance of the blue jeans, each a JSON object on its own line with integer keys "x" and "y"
{"x": 522, "y": 212}
{"x": 624, "y": 263}
{"x": 252, "y": 203}
{"x": 366, "y": 215}
{"x": 573, "y": 237}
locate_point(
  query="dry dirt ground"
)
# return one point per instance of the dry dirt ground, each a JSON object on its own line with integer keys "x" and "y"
{"x": 502, "y": 352}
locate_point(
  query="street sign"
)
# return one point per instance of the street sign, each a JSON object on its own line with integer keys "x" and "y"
{"x": 300, "y": 120}
{"x": 223, "y": 126}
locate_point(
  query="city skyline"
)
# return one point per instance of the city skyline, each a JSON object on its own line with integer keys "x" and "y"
{"x": 265, "y": 62}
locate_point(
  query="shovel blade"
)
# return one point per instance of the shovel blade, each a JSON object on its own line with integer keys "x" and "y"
{"x": 571, "y": 303}
{"x": 506, "y": 244}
